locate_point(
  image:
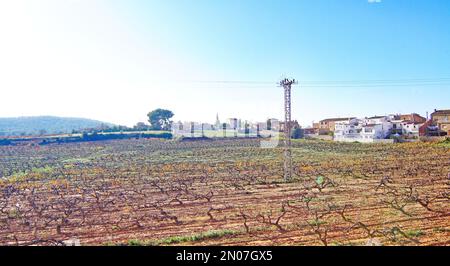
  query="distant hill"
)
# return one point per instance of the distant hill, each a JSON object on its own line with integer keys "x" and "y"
{"x": 36, "y": 125}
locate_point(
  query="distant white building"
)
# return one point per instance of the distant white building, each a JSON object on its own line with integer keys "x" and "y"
{"x": 274, "y": 124}
{"x": 233, "y": 123}
{"x": 410, "y": 128}
{"x": 397, "y": 126}
{"x": 372, "y": 132}
{"x": 363, "y": 130}
{"x": 349, "y": 130}
{"x": 261, "y": 125}
{"x": 377, "y": 120}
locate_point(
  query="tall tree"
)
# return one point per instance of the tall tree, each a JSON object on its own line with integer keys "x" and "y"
{"x": 141, "y": 126}
{"x": 160, "y": 119}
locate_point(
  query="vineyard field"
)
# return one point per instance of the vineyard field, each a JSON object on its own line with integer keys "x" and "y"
{"x": 224, "y": 192}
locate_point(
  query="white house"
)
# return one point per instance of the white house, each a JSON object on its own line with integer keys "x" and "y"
{"x": 372, "y": 132}
{"x": 411, "y": 128}
{"x": 376, "y": 120}
{"x": 275, "y": 124}
{"x": 348, "y": 130}
{"x": 397, "y": 126}
{"x": 233, "y": 123}
{"x": 361, "y": 131}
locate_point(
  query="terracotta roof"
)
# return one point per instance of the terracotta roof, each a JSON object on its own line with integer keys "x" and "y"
{"x": 413, "y": 114}
{"x": 441, "y": 112}
{"x": 336, "y": 119}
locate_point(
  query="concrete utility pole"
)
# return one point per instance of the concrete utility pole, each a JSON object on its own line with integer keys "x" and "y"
{"x": 287, "y": 84}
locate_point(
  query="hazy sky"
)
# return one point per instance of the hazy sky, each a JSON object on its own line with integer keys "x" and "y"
{"x": 116, "y": 60}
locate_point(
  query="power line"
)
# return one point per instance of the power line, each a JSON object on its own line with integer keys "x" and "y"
{"x": 333, "y": 83}
{"x": 228, "y": 82}
{"x": 349, "y": 86}
{"x": 331, "y": 86}
{"x": 375, "y": 85}
{"x": 380, "y": 81}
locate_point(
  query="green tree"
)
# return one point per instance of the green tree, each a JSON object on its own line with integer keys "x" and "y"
{"x": 160, "y": 119}
{"x": 141, "y": 126}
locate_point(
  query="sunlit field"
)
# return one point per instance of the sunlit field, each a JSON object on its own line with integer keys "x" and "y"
{"x": 224, "y": 192}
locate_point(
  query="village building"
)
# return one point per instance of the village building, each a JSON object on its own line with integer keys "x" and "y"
{"x": 397, "y": 125}
{"x": 273, "y": 124}
{"x": 416, "y": 118}
{"x": 207, "y": 126}
{"x": 445, "y": 127}
{"x": 329, "y": 125}
{"x": 440, "y": 116}
{"x": 441, "y": 119}
{"x": 411, "y": 129}
{"x": 348, "y": 131}
{"x": 233, "y": 123}
{"x": 405, "y": 125}
{"x": 363, "y": 130}
{"x": 377, "y": 119}
{"x": 311, "y": 131}
{"x": 316, "y": 125}
{"x": 372, "y": 132}
{"x": 383, "y": 128}
{"x": 217, "y": 124}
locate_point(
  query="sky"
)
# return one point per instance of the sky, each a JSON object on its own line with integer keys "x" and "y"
{"x": 116, "y": 60}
